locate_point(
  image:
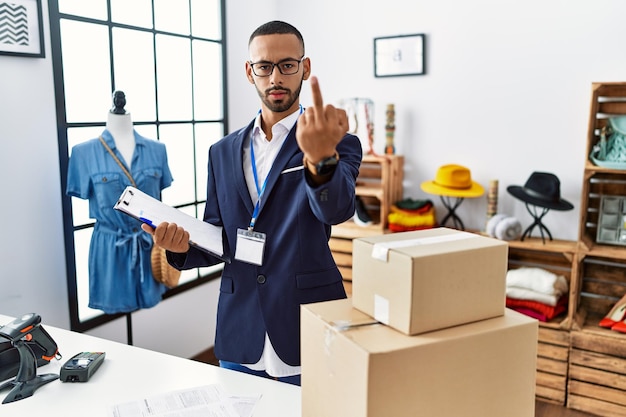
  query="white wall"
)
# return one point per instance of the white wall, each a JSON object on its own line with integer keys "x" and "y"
{"x": 31, "y": 250}
{"x": 507, "y": 93}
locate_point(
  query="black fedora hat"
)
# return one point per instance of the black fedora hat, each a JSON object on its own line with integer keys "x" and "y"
{"x": 542, "y": 189}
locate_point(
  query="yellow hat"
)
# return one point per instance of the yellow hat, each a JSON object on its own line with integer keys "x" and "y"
{"x": 454, "y": 181}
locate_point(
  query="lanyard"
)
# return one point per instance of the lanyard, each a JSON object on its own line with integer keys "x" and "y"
{"x": 261, "y": 189}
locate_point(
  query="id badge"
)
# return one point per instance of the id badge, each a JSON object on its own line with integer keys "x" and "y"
{"x": 250, "y": 246}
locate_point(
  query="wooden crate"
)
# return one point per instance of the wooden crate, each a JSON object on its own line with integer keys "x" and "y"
{"x": 342, "y": 253}
{"x": 602, "y": 284}
{"x": 552, "y": 365}
{"x": 558, "y": 257}
{"x": 596, "y": 186}
{"x": 597, "y": 371}
{"x": 379, "y": 185}
{"x": 607, "y": 99}
{"x": 597, "y": 362}
{"x": 597, "y": 359}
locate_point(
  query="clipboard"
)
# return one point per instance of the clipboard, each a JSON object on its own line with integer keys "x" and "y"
{"x": 148, "y": 209}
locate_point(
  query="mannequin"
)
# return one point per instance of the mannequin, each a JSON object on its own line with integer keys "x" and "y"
{"x": 120, "y": 125}
{"x": 120, "y": 270}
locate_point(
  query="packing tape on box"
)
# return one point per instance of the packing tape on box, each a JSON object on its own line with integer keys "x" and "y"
{"x": 337, "y": 326}
{"x": 381, "y": 309}
{"x": 343, "y": 325}
{"x": 330, "y": 334}
{"x": 381, "y": 250}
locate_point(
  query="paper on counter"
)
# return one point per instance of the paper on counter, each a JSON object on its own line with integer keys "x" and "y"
{"x": 206, "y": 401}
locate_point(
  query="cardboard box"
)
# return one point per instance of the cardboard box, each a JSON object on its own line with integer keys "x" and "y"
{"x": 430, "y": 279}
{"x": 354, "y": 366}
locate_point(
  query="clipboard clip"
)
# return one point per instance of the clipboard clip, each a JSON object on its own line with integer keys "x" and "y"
{"x": 124, "y": 200}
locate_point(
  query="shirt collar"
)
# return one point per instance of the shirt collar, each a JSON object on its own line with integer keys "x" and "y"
{"x": 108, "y": 138}
{"x": 285, "y": 124}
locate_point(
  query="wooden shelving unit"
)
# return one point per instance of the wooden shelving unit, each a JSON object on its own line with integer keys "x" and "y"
{"x": 597, "y": 360}
{"x": 579, "y": 364}
{"x": 558, "y": 257}
{"x": 379, "y": 185}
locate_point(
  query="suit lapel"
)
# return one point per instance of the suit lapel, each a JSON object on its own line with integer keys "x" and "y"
{"x": 237, "y": 167}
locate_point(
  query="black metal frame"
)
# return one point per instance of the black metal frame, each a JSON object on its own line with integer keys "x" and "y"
{"x": 378, "y": 57}
{"x": 42, "y": 47}
{"x": 62, "y": 133}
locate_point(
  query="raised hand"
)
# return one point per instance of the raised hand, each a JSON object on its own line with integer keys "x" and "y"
{"x": 320, "y": 127}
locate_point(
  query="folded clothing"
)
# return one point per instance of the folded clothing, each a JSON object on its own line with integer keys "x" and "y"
{"x": 538, "y": 310}
{"x": 410, "y": 204}
{"x": 407, "y": 215}
{"x": 399, "y": 228}
{"x": 403, "y": 219}
{"x": 537, "y": 280}
{"x": 530, "y": 313}
{"x": 526, "y": 294}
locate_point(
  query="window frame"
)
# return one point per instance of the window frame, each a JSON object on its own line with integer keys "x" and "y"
{"x": 63, "y": 145}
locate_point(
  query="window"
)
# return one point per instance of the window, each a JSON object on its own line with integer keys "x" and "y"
{"x": 168, "y": 57}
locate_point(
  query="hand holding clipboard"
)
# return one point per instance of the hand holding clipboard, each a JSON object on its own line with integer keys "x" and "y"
{"x": 153, "y": 212}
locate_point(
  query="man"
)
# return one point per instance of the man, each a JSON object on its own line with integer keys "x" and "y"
{"x": 276, "y": 187}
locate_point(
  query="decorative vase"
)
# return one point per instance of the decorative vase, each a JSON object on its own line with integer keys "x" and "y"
{"x": 361, "y": 121}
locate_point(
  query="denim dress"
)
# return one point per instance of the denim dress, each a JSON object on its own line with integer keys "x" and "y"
{"x": 120, "y": 272}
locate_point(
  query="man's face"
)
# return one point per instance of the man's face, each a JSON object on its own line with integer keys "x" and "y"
{"x": 278, "y": 92}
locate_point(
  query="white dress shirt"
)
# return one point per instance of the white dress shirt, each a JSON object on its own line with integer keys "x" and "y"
{"x": 265, "y": 152}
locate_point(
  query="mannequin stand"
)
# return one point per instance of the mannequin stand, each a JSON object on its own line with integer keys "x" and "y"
{"x": 451, "y": 207}
{"x": 27, "y": 381}
{"x": 537, "y": 223}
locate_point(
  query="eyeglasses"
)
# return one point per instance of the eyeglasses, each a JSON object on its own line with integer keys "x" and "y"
{"x": 286, "y": 67}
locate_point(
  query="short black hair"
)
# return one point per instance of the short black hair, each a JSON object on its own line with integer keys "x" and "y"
{"x": 277, "y": 27}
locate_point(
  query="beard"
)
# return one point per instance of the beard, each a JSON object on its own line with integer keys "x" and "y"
{"x": 280, "y": 105}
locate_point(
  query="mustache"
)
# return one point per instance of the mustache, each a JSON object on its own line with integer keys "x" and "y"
{"x": 269, "y": 90}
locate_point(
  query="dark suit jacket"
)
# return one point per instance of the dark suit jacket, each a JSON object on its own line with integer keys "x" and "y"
{"x": 298, "y": 267}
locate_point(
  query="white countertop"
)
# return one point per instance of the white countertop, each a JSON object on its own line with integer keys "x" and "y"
{"x": 130, "y": 374}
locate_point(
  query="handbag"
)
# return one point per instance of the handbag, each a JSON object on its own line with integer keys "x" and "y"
{"x": 610, "y": 152}
{"x": 162, "y": 271}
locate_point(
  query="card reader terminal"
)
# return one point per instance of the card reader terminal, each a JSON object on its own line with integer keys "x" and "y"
{"x": 81, "y": 366}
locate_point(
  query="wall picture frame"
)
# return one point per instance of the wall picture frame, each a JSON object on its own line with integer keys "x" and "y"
{"x": 21, "y": 28}
{"x": 401, "y": 55}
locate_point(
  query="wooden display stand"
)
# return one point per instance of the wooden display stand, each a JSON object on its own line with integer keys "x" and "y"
{"x": 608, "y": 99}
{"x": 379, "y": 185}
{"x": 597, "y": 364}
{"x": 579, "y": 364}
{"x": 558, "y": 257}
